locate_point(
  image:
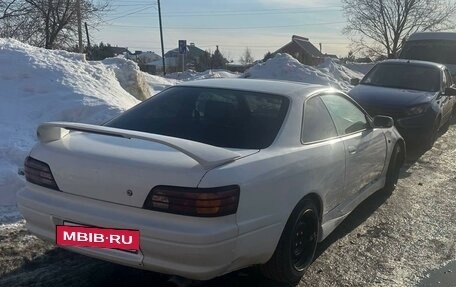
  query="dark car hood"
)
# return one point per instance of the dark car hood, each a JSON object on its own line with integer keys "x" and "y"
{"x": 381, "y": 96}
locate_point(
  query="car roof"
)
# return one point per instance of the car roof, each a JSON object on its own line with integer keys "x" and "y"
{"x": 285, "y": 88}
{"x": 414, "y": 63}
{"x": 432, "y": 36}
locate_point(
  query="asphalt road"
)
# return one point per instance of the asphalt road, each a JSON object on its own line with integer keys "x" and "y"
{"x": 407, "y": 238}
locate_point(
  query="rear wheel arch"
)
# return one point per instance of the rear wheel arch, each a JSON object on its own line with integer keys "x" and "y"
{"x": 401, "y": 142}
{"x": 280, "y": 266}
{"x": 316, "y": 199}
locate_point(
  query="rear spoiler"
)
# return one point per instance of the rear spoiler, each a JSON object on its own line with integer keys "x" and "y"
{"x": 207, "y": 156}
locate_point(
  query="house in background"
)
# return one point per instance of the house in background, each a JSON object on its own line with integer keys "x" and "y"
{"x": 173, "y": 59}
{"x": 142, "y": 58}
{"x": 304, "y": 51}
{"x": 119, "y": 51}
{"x": 146, "y": 60}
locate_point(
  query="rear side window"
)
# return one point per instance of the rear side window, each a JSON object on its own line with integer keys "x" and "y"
{"x": 347, "y": 117}
{"x": 317, "y": 123}
{"x": 219, "y": 117}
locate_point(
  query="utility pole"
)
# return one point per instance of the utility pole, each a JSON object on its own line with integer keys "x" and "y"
{"x": 161, "y": 37}
{"x": 87, "y": 34}
{"x": 320, "y": 47}
{"x": 78, "y": 14}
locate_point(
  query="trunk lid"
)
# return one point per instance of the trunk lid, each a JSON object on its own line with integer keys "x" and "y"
{"x": 118, "y": 169}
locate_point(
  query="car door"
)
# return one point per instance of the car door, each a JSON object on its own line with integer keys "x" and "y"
{"x": 365, "y": 147}
{"x": 327, "y": 156}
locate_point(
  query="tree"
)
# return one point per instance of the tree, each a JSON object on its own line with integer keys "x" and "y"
{"x": 268, "y": 56}
{"x": 48, "y": 23}
{"x": 204, "y": 62}
{"x": 246, "y": 58}
{"x": 11, "y": 8}
{"x": 100, "y": 52}
{"x": 218, "y": 61}
{"x": 378, "y": 27}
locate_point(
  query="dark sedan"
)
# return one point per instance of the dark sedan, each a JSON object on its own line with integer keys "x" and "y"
{"x": 420, "y": 96}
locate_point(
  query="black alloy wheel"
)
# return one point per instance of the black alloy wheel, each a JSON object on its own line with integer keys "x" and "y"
{"x": 296, "y": 248}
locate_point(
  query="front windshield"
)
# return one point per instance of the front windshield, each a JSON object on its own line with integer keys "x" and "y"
{"x": 439, "y": 51}
{"x": 404, "y": 76}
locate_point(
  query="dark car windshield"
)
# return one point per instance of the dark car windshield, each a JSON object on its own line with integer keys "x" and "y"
{"x": 404, "y": 76}
{"x": 219, "y": 117}
{"x": 439, "y": 51}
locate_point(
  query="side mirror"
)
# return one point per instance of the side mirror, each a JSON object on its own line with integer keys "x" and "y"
{"x": 383, "y": 122}
{"x": 450, "y": 91}
{"x": 354, "y": 81}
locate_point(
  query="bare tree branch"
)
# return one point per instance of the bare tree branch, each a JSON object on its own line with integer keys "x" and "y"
{"x": 47, "y": 23}
{"x": 378, "y": 27}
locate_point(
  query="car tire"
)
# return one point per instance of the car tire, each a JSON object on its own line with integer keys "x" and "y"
{"x": 432, "y": 135}
{"x": 394, "y": 168}
{"x": 296, "y": 248}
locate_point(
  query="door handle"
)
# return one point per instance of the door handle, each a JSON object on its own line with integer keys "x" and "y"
{"x": 351, "y": 149}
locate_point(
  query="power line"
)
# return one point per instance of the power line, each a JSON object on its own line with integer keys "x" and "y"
{"x": 226, "y": 28}
{"x": 128, "y": 14}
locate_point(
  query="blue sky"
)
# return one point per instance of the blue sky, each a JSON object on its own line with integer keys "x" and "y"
{"x": 261, "y": 25}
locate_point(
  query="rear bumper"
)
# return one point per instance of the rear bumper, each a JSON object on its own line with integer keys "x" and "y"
{"x": 196, "y": 248}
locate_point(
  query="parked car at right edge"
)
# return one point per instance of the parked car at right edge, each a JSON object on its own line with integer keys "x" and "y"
{"x": 419, "y": 95}
{"x": 438, "y": 47}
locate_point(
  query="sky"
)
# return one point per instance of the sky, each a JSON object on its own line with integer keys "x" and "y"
{"x": 233, "y": 25}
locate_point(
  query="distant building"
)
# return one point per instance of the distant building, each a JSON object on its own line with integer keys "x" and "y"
{"x": 147, "y": 61}
{"x": 143, "y": 57}
{"x": 119, "y": 51}
{"x": 304, "y": 51}
{"x": 332, "y": 56}
{"x": 174, "y": 60}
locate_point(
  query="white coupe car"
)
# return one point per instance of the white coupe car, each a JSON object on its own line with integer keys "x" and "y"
{"x": 216, "y": 175}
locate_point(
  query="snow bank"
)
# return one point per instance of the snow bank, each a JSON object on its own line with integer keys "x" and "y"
{"x": 158, "y": 84}
{"x": 362, "y": 68}
{"x": 39, "y": 85}
{"x": 339, "y": 72}
{"x": 129, "y": 75}
{"x": 285, "y": 67}
{"x": 209, "y": 74}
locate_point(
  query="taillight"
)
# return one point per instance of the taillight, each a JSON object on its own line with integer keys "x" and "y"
{"x": 203, "y": 202}
{"x": 38, "y": 172}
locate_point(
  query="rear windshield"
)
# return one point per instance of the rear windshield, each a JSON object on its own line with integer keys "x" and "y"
{"x": 219, "y": 117}
{"x": 439, "y": 51}
{"x": 404, "y": 76}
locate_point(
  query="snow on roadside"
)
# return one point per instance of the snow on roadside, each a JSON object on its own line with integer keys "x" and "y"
{"x": 39, "y": 85}
{"x": 362, "y": 68}
{"x": 158, "y": 84}
{"x": 285, "y": 67}
{"x": 191, "y": 75}
{"x": 129, "y": 76}
{"x": 338, "y": 71}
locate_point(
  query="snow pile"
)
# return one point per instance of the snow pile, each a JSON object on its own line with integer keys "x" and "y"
{"x": 362, "y": 68}
{"x": 158, "y": 84}
{"x": 285, "y": 67}
{"x": 129, "y": 76}
{"x": 191, "y": 75}
{"x": 39, "y": 85}
{"x": 338, "y": 71}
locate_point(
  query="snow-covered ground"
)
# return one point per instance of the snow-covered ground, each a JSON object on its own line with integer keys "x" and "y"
{"x": 39, "y": 85}
{"x": 209, "y": 74}
{"x": 158, "y": 84}
{"x": 362, "y": 68}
